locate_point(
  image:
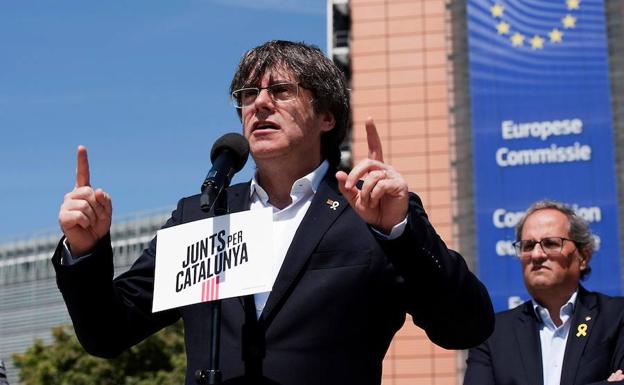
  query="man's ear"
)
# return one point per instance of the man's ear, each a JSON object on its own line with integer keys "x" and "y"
{"x": 328, "y": 121}
{"x": 585, "y": 258}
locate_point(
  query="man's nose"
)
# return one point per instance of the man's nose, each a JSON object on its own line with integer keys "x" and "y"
{"x": 263, "y": 99}
{"x": 538, "y": 252}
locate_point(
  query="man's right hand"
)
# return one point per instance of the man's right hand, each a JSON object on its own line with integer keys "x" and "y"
{"x": 86, "y": 214}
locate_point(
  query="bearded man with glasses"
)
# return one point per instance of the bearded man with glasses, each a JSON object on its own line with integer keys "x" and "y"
{"x": 564, "y": 334}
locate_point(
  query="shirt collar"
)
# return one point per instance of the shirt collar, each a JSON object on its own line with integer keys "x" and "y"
{"x": 565, "y": 312}
{"x": 311, "y": 181}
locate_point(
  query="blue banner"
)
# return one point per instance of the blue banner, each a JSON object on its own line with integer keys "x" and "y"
{"x": 542, "y": 129}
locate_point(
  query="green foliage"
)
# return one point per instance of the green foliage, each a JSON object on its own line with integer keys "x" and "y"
{"x": 159, "y": 360}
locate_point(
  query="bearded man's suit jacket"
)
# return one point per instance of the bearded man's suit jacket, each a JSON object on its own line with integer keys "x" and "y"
{"x": 339, "y": 298}
{"x": 512, "y": 355}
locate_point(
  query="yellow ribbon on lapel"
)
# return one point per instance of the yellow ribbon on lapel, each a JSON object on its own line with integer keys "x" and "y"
{"x": 581, "y": 330}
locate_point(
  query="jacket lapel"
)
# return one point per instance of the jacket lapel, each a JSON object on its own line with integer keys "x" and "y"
{"x": 584, "y": 316}
{"x": 528, "y": 341}
{"x": 238, "y": 197}
{"x": 325, "y": 207}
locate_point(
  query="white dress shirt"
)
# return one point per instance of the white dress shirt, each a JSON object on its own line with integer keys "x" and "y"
{"x": 553, "y": 339}
{"x": 286, "y": 221}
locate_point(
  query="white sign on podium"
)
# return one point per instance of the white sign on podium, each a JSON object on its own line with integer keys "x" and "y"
{"x": 215, "y": 258}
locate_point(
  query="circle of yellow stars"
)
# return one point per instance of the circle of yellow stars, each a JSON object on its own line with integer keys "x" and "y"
{"x": 554, "y": 36}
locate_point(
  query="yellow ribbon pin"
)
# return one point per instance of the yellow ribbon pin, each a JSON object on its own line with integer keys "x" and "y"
{"x": 581, "y": 330}
{"x": 332, "y": 204}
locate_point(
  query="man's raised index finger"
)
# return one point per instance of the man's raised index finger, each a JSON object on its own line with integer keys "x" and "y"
{"x": 374, "y": 143}
{"x": 82, "y": 167}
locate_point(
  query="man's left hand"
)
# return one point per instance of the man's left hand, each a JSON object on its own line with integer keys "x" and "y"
{"x": 383, "y": 197}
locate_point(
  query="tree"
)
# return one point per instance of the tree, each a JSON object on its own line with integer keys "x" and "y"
{"x": 159, "y": 360}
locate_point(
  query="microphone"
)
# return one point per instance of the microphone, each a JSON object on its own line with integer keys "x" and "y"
{"x": 228, "y": 156}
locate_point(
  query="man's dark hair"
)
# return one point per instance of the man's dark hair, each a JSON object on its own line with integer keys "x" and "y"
{"x": 578, "y": 229}
{"x": 314, "y": 72}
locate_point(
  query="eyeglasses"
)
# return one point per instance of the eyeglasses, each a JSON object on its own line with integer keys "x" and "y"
{"x": 280, "y": 92}
{"x": 552, "y": 246}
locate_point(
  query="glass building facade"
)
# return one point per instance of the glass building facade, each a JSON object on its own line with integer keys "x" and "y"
{"x": 31, "y": 304}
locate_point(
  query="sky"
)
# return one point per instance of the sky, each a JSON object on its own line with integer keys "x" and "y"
{"x": 142, "y": 84}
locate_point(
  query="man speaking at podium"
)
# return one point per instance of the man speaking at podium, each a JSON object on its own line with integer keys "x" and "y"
{"x": 355, "y": 257}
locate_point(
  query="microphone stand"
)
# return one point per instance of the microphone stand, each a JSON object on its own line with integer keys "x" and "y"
{"x": 213, "y": 375}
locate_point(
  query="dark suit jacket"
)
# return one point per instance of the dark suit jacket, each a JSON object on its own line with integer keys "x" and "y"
{"x": 512, "y": 355}
{"x": 339, "y": 297}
